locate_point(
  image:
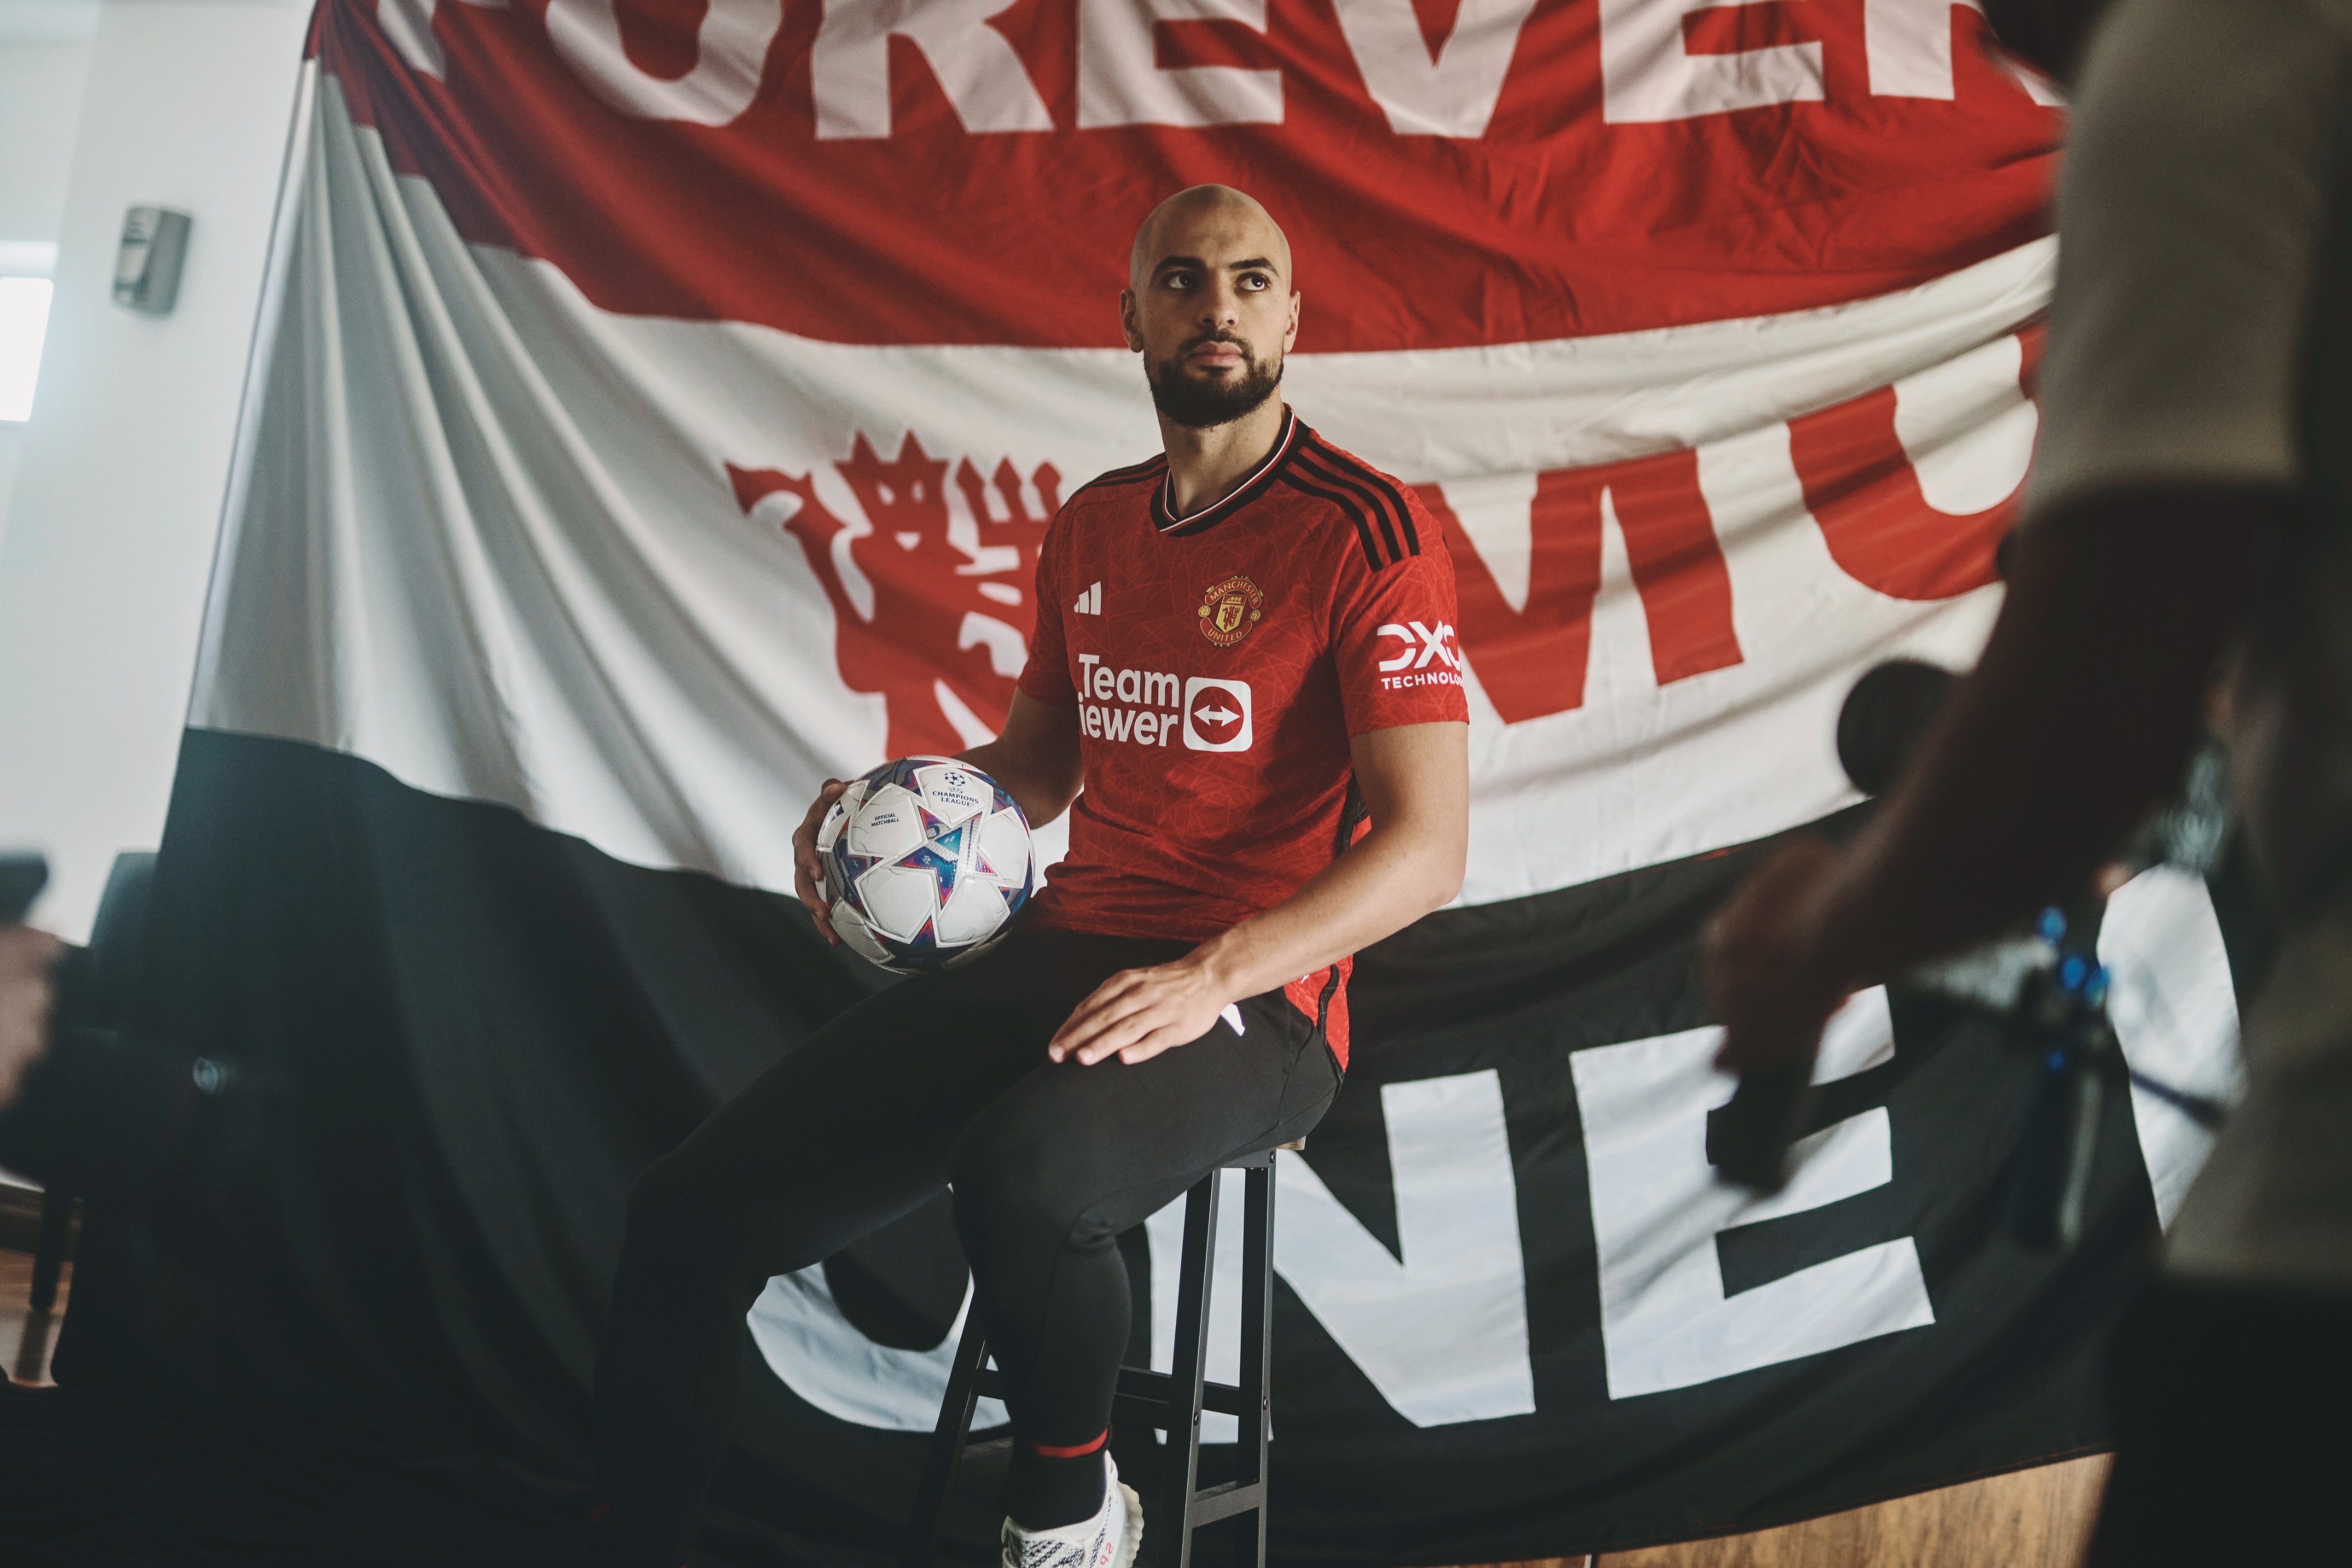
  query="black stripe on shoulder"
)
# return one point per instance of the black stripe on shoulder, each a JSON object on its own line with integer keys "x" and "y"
{"x": 1387, "y": 487}
{"x": 1150, "y": 468}
{"x": 1375, "y": 505}
{"x": 1352, "y": 505}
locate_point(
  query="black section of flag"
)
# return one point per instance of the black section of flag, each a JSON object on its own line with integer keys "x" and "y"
{"x": 491, "y": 1027}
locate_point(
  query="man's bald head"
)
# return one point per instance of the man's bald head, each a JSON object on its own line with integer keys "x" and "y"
{"x": 1209, "y": 305}
{"x": 1171, "y": 226}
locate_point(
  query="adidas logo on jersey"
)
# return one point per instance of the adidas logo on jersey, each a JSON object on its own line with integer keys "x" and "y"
{"x": 1089, "y": 602}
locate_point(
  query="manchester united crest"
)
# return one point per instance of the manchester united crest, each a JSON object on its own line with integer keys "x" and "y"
{"x": 1230, "y": 608}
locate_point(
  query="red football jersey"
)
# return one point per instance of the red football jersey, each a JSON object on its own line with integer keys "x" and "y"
{"x": 1219, "y": 664}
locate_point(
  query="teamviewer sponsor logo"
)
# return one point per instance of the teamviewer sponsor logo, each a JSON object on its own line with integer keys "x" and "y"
{"x": 1122, "y": 704}
{"x": 1217, "y": 715}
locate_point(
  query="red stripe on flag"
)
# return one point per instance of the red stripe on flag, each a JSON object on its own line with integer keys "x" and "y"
{"x": 1545, "y": 215}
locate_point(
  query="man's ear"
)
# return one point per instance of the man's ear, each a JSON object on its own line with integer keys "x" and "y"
{"x": 1291, "y": 335}
{"x": 1128, "y": 325}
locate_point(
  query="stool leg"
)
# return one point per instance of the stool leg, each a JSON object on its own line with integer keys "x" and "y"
{"x": 49, "y": 1247}
{"x": 49, "y": 1268}
{"x": 1180, "y": 1461}
{"x": 1257, "y": 1359}
{"x": 947, "y": 1440}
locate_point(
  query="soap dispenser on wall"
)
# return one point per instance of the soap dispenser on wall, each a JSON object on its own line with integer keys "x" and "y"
{"x": 147, "y": 266}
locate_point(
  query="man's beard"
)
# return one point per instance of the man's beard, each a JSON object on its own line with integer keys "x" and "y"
{"x": 1201, "y": 402}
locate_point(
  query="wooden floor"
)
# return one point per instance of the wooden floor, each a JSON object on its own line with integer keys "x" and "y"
{"x": 2029, "y": 1518}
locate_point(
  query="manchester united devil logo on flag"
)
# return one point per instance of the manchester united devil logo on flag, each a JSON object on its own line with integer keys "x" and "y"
{"x": 945, "y": 632}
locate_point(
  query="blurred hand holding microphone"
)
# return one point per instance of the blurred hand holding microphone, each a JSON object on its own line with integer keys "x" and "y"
{"x": 2044, "y": 986}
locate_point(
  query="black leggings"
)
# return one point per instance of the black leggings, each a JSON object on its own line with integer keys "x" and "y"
{"x": 939, "y": 1080}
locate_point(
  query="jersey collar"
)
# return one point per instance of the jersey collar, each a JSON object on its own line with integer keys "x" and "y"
{"x": 1164, "y": 494}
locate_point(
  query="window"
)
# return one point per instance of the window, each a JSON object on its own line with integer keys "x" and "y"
{"x": 23, "y": 324}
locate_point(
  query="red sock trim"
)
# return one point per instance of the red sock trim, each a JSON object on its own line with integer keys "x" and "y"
{"x": 1046, "y": 1450}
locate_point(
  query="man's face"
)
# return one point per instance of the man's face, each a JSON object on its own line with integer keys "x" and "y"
{"x": 1212, "y": 312}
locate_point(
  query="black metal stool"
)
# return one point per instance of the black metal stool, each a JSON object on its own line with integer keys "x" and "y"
{"x": 1174, "y": 1503}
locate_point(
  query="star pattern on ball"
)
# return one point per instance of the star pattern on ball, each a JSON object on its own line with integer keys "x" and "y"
{"x": 927, "y": 861}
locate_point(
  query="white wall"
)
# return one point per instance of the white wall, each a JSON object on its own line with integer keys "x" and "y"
{"x": 44, "y": 61}
{"x": 12, "y": 447}
{"x": 11, "y": 439}
{"x": 40, "y": 100}
{"x": 109, "y": 539}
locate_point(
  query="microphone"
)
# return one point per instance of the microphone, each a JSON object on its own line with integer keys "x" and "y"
{"x": 1885, "y": 718}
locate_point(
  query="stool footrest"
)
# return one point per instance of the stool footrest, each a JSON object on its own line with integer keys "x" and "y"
{"x": 1213, "y": 1503}
{"x": 1142, "y": 1395}
{"x": 1161, "y": 1389}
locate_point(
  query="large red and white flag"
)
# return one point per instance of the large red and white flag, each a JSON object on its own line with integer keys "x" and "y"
{"x": 659, "y": 406}
{"x": 686, "y": 387}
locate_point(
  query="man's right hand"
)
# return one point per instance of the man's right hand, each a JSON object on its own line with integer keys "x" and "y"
{"x": 807, "y": 873}
{"x": 27, "y": 995}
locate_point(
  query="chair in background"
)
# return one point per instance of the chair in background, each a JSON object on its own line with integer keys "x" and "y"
{"x": 118, "y": 941}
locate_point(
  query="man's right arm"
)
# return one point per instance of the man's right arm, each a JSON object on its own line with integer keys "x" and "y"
{"x": 1035, "y": 758}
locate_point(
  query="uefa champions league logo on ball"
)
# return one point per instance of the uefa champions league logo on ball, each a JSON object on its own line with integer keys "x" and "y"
{"x": 926, "y": 861}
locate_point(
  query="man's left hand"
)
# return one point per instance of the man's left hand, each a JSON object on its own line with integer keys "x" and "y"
{"x": 1138, "y": 1013}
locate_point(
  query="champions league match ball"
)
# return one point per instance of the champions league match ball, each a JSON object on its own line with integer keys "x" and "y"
{"x": 926, "y": 861}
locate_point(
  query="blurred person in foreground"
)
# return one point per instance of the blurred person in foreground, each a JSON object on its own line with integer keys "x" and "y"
{"x": 2189, "y": 505}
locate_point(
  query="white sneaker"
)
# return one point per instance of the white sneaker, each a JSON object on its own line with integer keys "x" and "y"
{"x": 1110, "y": 1540}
